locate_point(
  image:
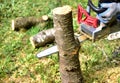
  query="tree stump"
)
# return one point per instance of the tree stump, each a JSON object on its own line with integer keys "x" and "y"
{"x": 68, "y": 47}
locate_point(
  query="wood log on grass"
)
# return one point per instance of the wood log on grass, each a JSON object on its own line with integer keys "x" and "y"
{"x": 42, "y": 38}
{"x": 68, "y": 47}
{"x": 27, "y": 22}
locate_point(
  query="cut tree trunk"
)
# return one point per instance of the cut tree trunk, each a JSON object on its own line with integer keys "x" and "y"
{"x": 27, "y": 22}
{"x": 68, "y": 47}
{"x": 42, "y": 38}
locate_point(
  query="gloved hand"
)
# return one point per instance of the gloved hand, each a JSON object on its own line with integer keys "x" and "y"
{"x": 112, "y": 10}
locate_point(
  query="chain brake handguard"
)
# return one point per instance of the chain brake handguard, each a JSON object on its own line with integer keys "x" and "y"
{"x": 89, "y": 20}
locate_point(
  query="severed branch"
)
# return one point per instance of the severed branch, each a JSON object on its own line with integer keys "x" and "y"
{"x": 42, "y": 38}
{"x": 27, "y": 22}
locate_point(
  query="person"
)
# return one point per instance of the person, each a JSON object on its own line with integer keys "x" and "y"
{"x": 112, "y": 11}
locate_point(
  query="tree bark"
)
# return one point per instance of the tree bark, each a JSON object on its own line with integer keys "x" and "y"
{"x": 42, "y": 38}
{"x": 27, "y": 22}
{"x": 68, "y": 47}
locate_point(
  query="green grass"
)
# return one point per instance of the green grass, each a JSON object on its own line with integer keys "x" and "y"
{"x": 18, "y": 62}
{"x": 118, "y": 79}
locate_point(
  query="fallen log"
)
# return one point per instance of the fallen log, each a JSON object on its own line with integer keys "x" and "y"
{"x": 42, "y": 38}
{"x": 27, "y": 22}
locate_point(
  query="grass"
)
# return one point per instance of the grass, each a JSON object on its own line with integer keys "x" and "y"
{"x": 18, "y": 62}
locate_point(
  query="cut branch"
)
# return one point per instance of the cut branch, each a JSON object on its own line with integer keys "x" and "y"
{"x": 43, "y": 38}
{"x": 68, "y": 47}
{"x": 27, "y": 22}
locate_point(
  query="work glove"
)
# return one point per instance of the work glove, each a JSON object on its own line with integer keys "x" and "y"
{"x": 112, "y": 9}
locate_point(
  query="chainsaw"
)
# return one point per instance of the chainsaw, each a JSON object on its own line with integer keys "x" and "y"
{"x": 90, "y": 27}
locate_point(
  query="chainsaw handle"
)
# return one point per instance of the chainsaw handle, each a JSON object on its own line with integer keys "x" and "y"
{"x": 94, "y": 8}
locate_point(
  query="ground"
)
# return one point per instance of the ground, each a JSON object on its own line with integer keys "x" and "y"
{"x": 18, "y": 61}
